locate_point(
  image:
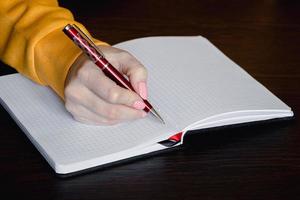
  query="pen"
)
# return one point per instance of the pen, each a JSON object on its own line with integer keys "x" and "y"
{"x": 94, "y": 53}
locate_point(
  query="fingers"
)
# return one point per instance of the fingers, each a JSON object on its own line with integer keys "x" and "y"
{"x": 111, "y": 111}
{"x": 107, "y": 89}
{"x": 82, "y": 114}
{"x": 85, "y": 106}
{"x": 93, "y": 98}
{"x": 136, "y": 72}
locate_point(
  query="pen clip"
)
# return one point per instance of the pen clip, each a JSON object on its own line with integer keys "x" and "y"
{"x": 88, "y": 39}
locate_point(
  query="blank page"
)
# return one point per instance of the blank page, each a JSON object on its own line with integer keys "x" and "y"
{"x": 62, "y": 140}
{"x": 191, "y": 80}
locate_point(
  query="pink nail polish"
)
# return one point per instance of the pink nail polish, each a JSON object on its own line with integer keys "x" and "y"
{"x": 139, "y": 105}
{"x": 143, "y": 89}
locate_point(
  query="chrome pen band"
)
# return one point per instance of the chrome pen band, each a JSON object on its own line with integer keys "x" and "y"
{"x": 91, "y": 43}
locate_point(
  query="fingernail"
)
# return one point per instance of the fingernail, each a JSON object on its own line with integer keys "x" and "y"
{"x": 143, "y": 89}
{"x": 139, "y": 105}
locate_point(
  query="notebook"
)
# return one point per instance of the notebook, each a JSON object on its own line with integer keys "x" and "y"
{"x": 192, "y": 84}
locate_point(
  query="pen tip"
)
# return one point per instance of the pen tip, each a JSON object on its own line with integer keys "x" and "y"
{"x": 155, "y": 113}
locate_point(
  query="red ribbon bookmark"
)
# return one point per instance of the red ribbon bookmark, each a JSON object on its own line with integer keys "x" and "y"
{"x": 173, "y": 140}
{"x": 176, "y": 137}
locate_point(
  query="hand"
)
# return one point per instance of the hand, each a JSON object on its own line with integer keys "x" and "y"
{"x": 92, "y": 98}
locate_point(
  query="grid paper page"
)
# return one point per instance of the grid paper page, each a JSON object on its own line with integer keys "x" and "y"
{"x": 190, "y": 80}
{"x": 61, "y": 139}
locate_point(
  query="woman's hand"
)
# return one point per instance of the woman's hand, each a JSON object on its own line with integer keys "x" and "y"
{"x": 92, "y": 98}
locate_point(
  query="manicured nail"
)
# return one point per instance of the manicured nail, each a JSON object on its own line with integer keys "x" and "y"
{"x": 139, "y": 105}
{"x": 143, "y": 89}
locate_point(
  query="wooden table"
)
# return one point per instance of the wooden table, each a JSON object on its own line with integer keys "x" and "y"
{"x": 259, "y": 161}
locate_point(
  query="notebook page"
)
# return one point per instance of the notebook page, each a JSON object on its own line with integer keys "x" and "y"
{"x": 62, "y": 140}
{"x": 190, "y": 80}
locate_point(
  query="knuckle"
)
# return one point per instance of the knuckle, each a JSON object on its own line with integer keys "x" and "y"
{"x": 72, "y": 93}
{"x": 71, "y": 108}
{"x": 83, "y": 74}
{"x": 76, "y": 96}
{"x": 125, "y": 55}
{"x": 113, "y": 95}
{"x": 142, "y": 71}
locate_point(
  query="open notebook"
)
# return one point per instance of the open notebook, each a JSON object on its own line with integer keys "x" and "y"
{"x": 191, "y": 83}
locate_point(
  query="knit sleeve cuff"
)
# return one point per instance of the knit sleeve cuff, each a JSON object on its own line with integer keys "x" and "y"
{"x": 54, "y": 55}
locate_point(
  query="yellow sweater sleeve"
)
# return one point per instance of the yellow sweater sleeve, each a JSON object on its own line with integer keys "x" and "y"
{"x": 32, "y": 41}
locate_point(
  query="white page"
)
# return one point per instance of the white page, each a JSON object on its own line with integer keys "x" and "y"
{"x": 61, "y": 139}
{"x": 190, "y": 80}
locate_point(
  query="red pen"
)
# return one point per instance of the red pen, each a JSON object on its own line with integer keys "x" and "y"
{"x": 94, "y": 53}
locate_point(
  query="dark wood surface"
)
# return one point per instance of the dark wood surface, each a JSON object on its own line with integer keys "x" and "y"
{"x": 252, "y": 162}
